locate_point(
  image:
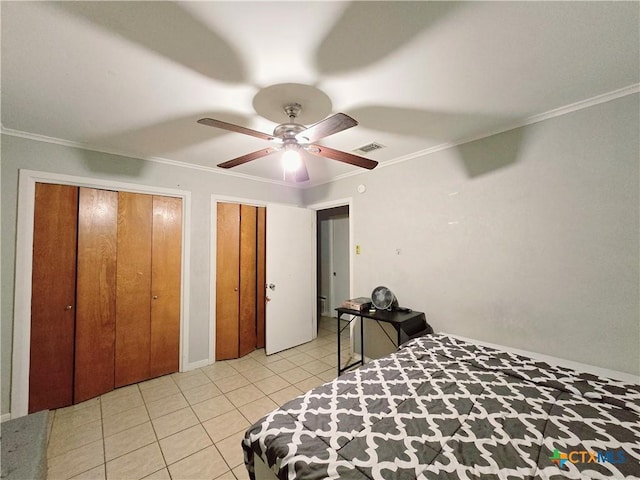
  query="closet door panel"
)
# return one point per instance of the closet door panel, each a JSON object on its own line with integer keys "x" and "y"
{"x": 53, "y": 297}
{"x": 96, "y": 293}
{"x": 227, "y": 280}
{"x": 165, "y": 285}
{"x": 248, "y": 257}
{"x": 261, "y": 279}
{"x": 133, "y": 307}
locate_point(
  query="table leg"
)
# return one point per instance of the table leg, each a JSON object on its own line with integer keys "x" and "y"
{"x": 362, "y": 339}
{"x": 339, "y": 364}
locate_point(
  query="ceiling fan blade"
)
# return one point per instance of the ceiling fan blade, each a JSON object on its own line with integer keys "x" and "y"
{"x": 247, "y": 158}
{"x": 210, "y": 122}
{"x": 342, "y": 156}
{"x": 330, "y": 125}
{"x": 299, "y": 175}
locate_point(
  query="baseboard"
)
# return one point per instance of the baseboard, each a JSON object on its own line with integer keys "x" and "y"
{"x": 4, "y": 417}
{"x": 194, "y": 365}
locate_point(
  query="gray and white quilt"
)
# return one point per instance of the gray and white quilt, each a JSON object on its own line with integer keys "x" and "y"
{"x": 443, "y": 408}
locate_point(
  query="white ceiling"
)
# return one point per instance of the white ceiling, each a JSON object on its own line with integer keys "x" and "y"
{"x": 133, "y": 77}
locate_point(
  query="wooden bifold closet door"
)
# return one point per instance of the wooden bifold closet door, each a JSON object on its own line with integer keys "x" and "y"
{"x": 148, "y": 287}
{"x": 133, "y": 313}
{"x": 166, "y": 268}
{"x": 227, "y": 281}
{"x": 95, "y": 293}
{"x": 105, "y": 308}
{"x": 53, "y": 292}
{"x": 247, "y": 323}
{"x": 240, "y": 272}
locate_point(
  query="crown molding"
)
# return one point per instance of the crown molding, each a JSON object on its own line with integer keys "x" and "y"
{"x": 166, "y": 161}
{"x": 573, "y": 107}
{"x": 556, "y": 112}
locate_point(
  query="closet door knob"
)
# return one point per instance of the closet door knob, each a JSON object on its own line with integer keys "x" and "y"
{"x": 235, "y": 289}
{"x": 155, "y": 297}
{"x": 68, "y": 307}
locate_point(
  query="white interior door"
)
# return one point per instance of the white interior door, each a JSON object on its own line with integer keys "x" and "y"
{"x": 339, "y": 262}
{"x": 325, "y": 264}
{"x": 291, "y": 276}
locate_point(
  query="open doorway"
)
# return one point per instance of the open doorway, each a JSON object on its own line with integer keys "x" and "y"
{"x": 333, "y": 285}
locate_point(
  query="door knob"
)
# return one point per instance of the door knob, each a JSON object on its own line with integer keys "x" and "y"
{"x": 68, "y": 307}
{"x": 155, "y": 297}
{"x": 271, "y": 286}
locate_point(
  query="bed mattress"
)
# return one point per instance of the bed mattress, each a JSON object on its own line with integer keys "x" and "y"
{"x": 445, "y": 408}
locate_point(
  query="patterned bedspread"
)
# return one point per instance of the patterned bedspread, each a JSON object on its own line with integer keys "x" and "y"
{"x": 444, "y": 408}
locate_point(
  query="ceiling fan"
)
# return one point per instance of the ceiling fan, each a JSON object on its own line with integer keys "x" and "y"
{"x": 291, "y": 138}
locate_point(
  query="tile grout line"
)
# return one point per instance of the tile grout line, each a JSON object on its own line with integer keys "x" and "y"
{"x": 253, "y": 361}
{"x": 164, "y": 460}
{"x": 200, "y": 423}
{"x": 104, "y": 442}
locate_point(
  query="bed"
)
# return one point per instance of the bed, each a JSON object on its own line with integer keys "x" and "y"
{"x": 442, "y": 407}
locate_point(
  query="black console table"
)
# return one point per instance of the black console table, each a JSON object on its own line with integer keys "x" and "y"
{"x": 408, "y": 325}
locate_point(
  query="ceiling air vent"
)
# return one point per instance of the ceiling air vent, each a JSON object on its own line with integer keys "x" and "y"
{"x": 369, "y": 147}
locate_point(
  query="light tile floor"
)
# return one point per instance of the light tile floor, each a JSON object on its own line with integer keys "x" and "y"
{"x": 186, "y": 425}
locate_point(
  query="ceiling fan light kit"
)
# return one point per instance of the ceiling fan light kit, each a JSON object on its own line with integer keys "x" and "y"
{"x": 291, "y": 160}
{"x": 292, "y": 138}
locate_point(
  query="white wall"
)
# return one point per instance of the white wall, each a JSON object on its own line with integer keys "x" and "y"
{"x": 21, "y": 153}
{"x": 529, "y": 238}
